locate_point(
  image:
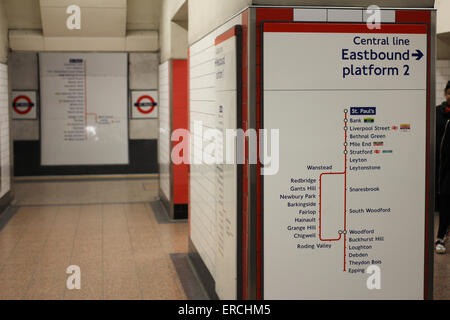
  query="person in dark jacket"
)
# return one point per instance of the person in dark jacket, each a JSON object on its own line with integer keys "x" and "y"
{"x": 443, "y": 165}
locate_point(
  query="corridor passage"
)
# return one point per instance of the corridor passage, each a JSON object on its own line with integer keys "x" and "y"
{"x": 108, "y": 228}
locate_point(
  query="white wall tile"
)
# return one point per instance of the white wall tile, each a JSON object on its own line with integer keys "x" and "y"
{"x": 310, "y": 14}
{"x": 164, "y": 129}
{"x": 341, "y": 15}
{"x": 5, "y": 166}
{"x": 387, "y": 16}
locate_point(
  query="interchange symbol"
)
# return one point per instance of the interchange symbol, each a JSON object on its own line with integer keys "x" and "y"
{"x": 344, "y": 173}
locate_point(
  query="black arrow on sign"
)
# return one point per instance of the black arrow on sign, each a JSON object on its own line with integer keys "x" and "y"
{"x": 419, "y": 54}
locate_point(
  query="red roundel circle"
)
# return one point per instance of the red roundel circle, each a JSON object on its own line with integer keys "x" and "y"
{"x": 146, "y": 97}
{"x": 28, "y": 108}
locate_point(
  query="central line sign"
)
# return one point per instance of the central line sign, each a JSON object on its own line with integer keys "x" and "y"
{"x": 348, "y": 180}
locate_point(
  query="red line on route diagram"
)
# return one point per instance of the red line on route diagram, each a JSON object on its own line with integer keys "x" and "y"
{"x": 85, "y": 98}
{"x": 344, "y": 173}
{"x": 93, "y": 114}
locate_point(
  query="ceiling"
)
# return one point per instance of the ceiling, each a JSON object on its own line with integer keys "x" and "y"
{"x": 23, "y": 14}
{"x": 143, "y": 14}
{"x": 99, "y": 18}
{"x": 181, "y": 17}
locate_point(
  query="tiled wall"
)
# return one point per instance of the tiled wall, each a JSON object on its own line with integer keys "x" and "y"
{"x": 24, "y": 76}
{"x": 5, "y": 167}
{"x": 203, "y": 177}
{"x": 164, "y": 129}
{"x": 442, "y": 77}
{"x": 143, "y": 75}
{"x": 339, "y": 15}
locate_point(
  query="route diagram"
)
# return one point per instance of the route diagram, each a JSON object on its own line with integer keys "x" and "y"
{"x": 342, "y": 232}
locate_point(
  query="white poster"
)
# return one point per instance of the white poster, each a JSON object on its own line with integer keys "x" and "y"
{"x": 144, "y": 104}
{"x": 84, "y": 108}
{"x": 24, "y": 105}
{"x": 344, "y": 218}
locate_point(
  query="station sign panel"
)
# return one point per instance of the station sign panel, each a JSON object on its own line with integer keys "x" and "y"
{"x": 345, "y": 216}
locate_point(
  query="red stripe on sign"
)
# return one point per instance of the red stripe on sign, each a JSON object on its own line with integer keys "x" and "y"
{"x": 245, "y": 178}
{"x": 428, "y": 195}
{"x": 413, "y": 16}
{"x": 274, "y": 14}
{"x": 189, "y": 128}
{"x": 225, "y": 36}
{"x": 344, "y": 28}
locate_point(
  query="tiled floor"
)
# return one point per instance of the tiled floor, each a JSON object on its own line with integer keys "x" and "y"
{"x": 122, "y": 251}
{"x": 442, "y": 273}
{"x": 108, "y": 229}
{"x": 86, "y": 191}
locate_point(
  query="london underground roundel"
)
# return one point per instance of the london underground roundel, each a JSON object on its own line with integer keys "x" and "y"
{"x": 144, "y": 104}
{"x": 24, "y": 105}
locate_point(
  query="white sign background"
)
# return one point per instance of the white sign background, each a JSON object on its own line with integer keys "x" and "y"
{"x": 104, "y": 136}
{"x": 305, "y": 97}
